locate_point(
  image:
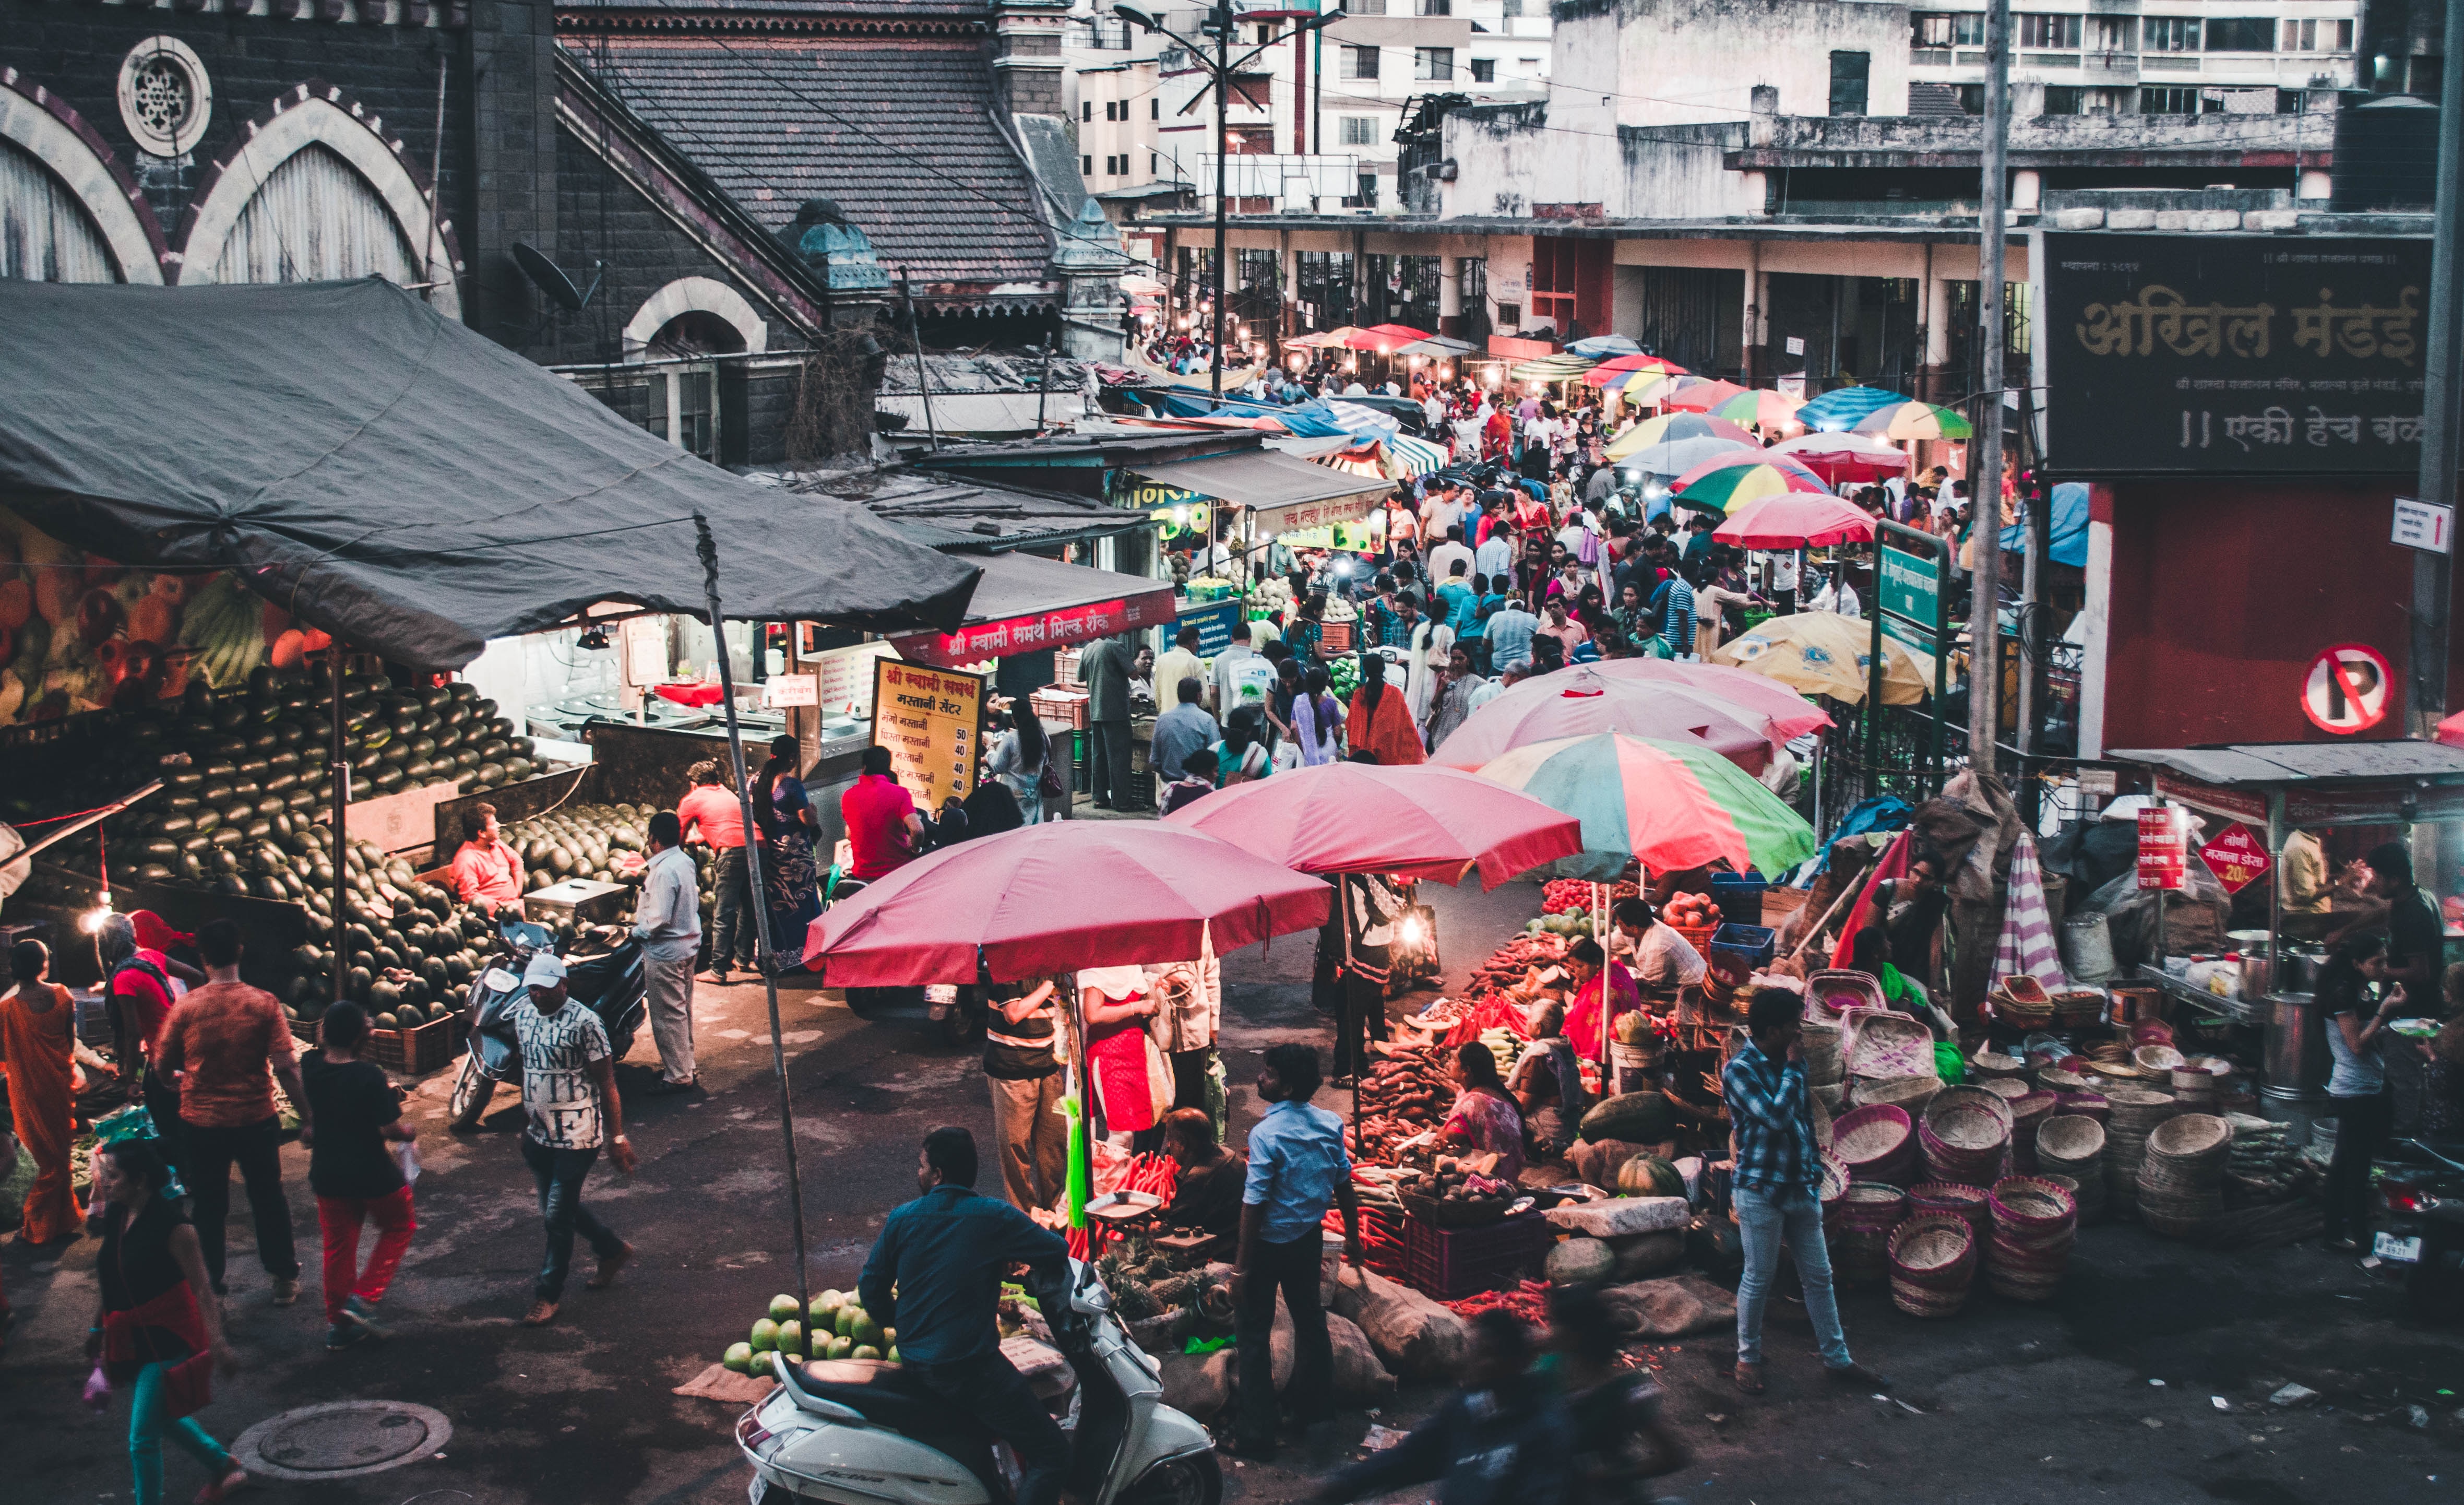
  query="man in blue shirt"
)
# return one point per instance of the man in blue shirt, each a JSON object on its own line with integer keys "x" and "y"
{"x": 934, "y": 1274}
{"x": 1297, "y": 1166}
{"x": 1456, "y": 602}
{"x": 1777, "y": 1190}
{"x": 1673, "y": 603}
{"x": 1510, "y": 629}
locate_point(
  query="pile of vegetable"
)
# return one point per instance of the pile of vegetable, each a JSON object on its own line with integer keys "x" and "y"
{"x": 1564, "y": 895}
{"x": 1690, "y": 910}
{"x": 1506, "y": 965}
{"x": 1529, "y": 1300}
{"x": 1495, "y": 1021}
{"x": 835, "y": 1327}
{"x": 1455, "y": 1193}
{"x": 1405, "y": 1095}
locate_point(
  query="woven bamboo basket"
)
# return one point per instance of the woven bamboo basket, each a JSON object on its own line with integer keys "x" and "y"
{"x": 1912, "y": 1093}
{"x": 1965, "y": 1136}
{"x": 1860, "y": 1226}
{"x": 1933, "y": 1264}
{"x": 2028, "y": 1114}
{"x": 2006, "y": 1088}
{"x": 1888, "y": 1045}
{"x": 2157, "y": 1060}
{"x": 1877, "y": 1143}
{"x": 1839, "y": 990}
{"x": 2088, "y": 1105}
{"x": 1988, "y": 1066}
{"x": 1971, "y": 1205}
{"x": 2034, "y": 1222}
{"x": 2054, "y": 1079}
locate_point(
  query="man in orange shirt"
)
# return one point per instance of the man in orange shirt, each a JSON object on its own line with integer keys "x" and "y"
{"x": 220, "y": 1042}
{"x": 486, "y": 870}
{"x": 711, "y": 814}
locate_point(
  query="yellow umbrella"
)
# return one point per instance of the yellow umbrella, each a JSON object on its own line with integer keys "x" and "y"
{"x": 1822, "y": 652}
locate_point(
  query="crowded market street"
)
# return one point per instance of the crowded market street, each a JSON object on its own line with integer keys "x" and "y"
{"x": 2012, "y": 1404}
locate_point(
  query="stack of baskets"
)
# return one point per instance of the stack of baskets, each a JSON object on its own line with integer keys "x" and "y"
{"x": 1965, "y": 1137}
{"x": 2079, "y": 1008}
{"x": 2199, "y": 1081}
{"x": 2088, "y": 1105}
{"x": 1933, "y": 1263}
{"x": 1971, "y": 1205}
{"x": 1837, "y": 990}
{"x": 2009, "y": 1089}
{"x": 2028, "y": 1115}
{"x": 1881, "y": 1045}
{"x": 2054, "y": 1079}
{"x": 1858, "y": 1229}
{"x": 1986, "y": 1066}
{"x": 2136, "y": 1114}
{"x": 2023, "y": 1003}
{"x": 1825, "y": 1069}
{"x": 1911, "y": 1092}
{"x": 2070, "y": 1144}
{"x": 2034, "y": 1222}
{"x": 2157, "y": 1060}
{"x": 2181, "y": 1178}
{"x": 1878, "y": 1143}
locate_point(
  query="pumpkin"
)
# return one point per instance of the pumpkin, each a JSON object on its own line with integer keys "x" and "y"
{"x": 1649, "y": 1176}
{"x": 1578, "y": 1260}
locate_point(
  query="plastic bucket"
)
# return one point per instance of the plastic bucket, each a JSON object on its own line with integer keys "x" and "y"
{"x": 2087, "y": 943}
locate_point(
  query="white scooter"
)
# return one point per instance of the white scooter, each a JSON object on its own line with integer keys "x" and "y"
{"x": 863, "y": 1432}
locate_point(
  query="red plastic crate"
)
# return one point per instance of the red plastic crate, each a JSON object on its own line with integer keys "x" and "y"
{"x": 1449, "y": 1263}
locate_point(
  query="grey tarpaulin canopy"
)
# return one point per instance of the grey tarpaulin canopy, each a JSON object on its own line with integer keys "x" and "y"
{"x": 398, "y": 479}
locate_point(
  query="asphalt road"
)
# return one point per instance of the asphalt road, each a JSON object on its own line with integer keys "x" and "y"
{"x": 2011, "y": 1405}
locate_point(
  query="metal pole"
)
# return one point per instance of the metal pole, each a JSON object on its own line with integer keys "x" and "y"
{"x": 2442, "y": 389}
{"x": 339, "y": 941}
{"x": 1222, "y": 19}
{"x": 1985, "y": 539}
{"x": 763, "y": 953}
{"x": 923, "y": 387}
{"x": 436, "y": 170}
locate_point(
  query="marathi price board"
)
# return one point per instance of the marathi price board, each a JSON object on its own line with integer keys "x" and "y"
{"x": 932, "y": 721}
{"x": 2237, "y": 857}
{"x": 2161, "y": 858}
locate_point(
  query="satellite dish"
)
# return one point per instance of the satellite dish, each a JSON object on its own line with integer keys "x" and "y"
{"x": 549, "y": 277}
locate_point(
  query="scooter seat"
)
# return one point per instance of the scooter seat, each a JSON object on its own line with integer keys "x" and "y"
{"x": 878, "y": 1391}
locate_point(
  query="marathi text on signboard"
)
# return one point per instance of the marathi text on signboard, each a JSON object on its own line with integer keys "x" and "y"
{"x": 1911, "y": 588}
{"x": 2237, "y": 857}
{"x": 932, "y": 721}
{"x": 1039, "y": 632}
{"x": 2161, "y": 858}
{"x": 2233, "y": 355}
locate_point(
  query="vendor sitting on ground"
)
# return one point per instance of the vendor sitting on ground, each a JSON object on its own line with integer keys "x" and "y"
{"x": 1485, "y": 1120}
{"x": 1594, "y": 974}
{"x": 1663, "y": 960}
{"x": 1547, "y": 1086}
{"x": 487, "y": 871}
{"x": 1211, "y": 1176}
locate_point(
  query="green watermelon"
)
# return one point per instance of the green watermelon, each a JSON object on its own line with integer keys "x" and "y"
{"x": 1649, "y": 1176}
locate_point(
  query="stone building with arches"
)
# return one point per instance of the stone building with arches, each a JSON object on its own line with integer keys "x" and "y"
{"x": 424, "y": 141}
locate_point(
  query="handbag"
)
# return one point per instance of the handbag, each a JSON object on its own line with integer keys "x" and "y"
{"x": 1048, "y": 784}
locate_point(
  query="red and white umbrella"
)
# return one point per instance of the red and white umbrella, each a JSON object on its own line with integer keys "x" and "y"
{"x": 1791, "y": 713}
{"x": 1418, "y": 821}
{"x": 1578, "y": 701}
{"x": 1797, "y": 520}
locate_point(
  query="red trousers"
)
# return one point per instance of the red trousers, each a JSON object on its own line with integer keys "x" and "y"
{"x": 338, "y": 1222}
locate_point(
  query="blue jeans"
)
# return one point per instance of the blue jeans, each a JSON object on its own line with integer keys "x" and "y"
{"x": 559, "y": 1174}
{"x": 731, "y": 931}
{"x": 146, "y": 1430}
{"x": 1766, "y": 1219}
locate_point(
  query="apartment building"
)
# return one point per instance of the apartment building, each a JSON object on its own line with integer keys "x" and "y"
{"x": 2145, "y": 56}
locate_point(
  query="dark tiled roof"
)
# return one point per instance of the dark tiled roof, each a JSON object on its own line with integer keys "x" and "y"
{"x": 862, "y": 12}
{"x": 898, "y": 130}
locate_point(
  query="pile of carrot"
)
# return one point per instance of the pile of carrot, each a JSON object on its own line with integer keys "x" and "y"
{"x": 1529, "y": 1301}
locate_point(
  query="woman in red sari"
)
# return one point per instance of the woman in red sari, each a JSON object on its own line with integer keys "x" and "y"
{"x": 1597, "y": 977}
{"x": 1116, "y": 1008}
{"x": 39, "y": 1045}
{"x": 1380, "y": 724}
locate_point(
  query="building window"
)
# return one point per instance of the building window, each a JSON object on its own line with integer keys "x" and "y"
{"x": 1365, "y": 8}
{"x": 2168, "y": 34}
{"x": 164, "y": 97}
{"x": 1971, "y": 98}
{"x": 1436, "y": 7}
{"x": 1360, "y": 130}
{"x": 1154, "y": 109}
{"x": 1268, "y": 32}
{"x": 1087, "y": 165}
{"x": 2049, "y": 32}
{"x": 1949, "y": 29}
{"x": 2318, "y": 36}
{"x": 684, "y": 408}
{"x": 1473, "y": 273}
{"x": 2109, "y": 34}
{"x": 1153, "y": 164}
{"x": 2064, "y": 99}
{"x": 1484, "y": 70}
{"x": 1433, "y": 62}
{"x": 2247, "y": 34}
{"x": 2174, "y": 101}
{"x": 1325, "y": 288}
{"x": 1359, "y": 62}
{"x": 1848, "y": 72}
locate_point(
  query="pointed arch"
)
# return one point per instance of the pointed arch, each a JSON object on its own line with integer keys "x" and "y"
{"x": 80, "y": 169}
{"x": 320, "y": 149}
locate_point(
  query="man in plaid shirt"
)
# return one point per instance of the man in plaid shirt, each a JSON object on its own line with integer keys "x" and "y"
{"x": 1777, "y": 1189}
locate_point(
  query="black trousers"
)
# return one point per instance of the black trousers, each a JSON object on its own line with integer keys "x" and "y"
{"x": 1363, "y": 1019}
{"x": 258, "y": 1149}
{"x": 1292, "y": 1269}
{"x": 1109, "y": 760}
{"x": 2362, "y": 1128}
{"x": 990, "y": 1389}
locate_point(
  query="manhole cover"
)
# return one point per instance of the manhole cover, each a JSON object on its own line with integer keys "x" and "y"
{"x": 342, "y": 1438}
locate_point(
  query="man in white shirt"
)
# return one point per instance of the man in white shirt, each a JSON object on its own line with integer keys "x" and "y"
{"x": 1177, "y": 663}
{"x": 1234, "y": 678}
{"x": 1428, "y": 640}
{"x": 1433, "y": 409}
{"x": 1781, "y": 566}
{"x": 1495, "y": 558}
{"x": 1444, "y": 556}
{"x": 1663, "y": 959}
{"x": 1353, "y": 389}
{"x": 666, "y": 919}
{"x": 1838, "y": 595}
{"x": 1443, "y": 509}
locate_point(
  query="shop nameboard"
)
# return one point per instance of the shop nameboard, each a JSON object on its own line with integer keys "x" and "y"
{"x": 932, "y": 721}
{"x": 1276, "y": 521}
{"x": 2237, "y": 857}
{"x": 2239, "y": 804}
{"x": 1038, "y": 633}
{"x": 2374, "y": 806}
{"x": 1911, "y": 590}
{"x": 2347, "y": 689}
{"x": 845, "y": 676}
{"x": 1214, "y": 621}
{"x": 1348, "y": 538}
{"x": 2161, "y": 860}
{"x": 2233, "y": 355}
{"x": 1142, "y": 495}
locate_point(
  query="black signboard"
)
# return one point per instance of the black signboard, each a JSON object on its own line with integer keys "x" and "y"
{"x": 2233, "y": 355}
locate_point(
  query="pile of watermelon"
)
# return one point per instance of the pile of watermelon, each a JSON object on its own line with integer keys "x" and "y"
{"x": 836, "y": 1326}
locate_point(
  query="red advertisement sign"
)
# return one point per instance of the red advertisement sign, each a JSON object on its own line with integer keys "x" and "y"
{"x": 2161, "y": 855}
{"x": 1037, "y": 633}
{"x": 2237, "y": 857}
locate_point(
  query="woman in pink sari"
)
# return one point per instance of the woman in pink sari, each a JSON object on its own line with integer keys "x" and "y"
{"x": 1485, "y": 1120}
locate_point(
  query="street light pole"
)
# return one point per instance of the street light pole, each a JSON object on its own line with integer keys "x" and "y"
{"x": 1985, "y": 470}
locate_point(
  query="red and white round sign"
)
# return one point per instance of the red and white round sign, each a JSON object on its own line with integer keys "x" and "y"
{"x": 2347, "y": 689}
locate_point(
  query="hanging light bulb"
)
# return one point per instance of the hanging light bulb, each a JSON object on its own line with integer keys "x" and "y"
{"x": 91, "y": 921}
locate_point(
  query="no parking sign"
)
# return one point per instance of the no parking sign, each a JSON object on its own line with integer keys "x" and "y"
{"x": 2347, "y": 688}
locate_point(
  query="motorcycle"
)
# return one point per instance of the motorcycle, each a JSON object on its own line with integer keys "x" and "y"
{"x": 2421, "y": 1191}
{"x": 612, "y": 982}
{"x": 866, "y": 1432}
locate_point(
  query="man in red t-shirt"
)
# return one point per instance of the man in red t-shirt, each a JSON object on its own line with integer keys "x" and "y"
{"x": 713, "y": 817}
{"x": 488, "y": 872}
{"x": 882, "y": 826}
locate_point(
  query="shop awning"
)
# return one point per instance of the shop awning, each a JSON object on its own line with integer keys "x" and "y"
{"x": 1281, "y": 493}
{"x": 398, "y": 479}
{"x": 1025, "y": 604}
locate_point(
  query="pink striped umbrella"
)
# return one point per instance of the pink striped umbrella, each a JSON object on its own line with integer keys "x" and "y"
{"x": 1417, "y": 821}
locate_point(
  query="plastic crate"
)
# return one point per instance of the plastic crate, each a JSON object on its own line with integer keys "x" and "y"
{"x": 1739, "y": 895}
{"x": 1449, "y": 1263}
{"x": 1738, "y": 950}
{"x": 1066, "y": 707}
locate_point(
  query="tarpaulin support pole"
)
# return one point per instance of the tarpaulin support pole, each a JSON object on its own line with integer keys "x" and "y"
{"x": 764, "y": 954}
{"x": 337, "y": 940}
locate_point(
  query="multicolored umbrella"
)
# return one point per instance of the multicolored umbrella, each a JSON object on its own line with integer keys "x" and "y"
{"x": 1905, "y": 421}
{"x": 1839, "y": 458}
{"x": 1842, "y": 408}
{"x": 1791, "y": 713}
{"x": 1578, "y": 701}
{"x": 1418, "y": 821}
{"x": 1552, "y": 368}
{"x": 1822, "y": 652}
{"x": 1677, "y": 456}
{"x": 1730, "y": 482}
{"x": 1698, "y": 393}
{"x": 1670, "y": 806}
{"x": 1796, "y": 521}
{"x": 1769, "y": 409}
{"x": 1675, "y": 425}
{"x": 1618, "y": 370}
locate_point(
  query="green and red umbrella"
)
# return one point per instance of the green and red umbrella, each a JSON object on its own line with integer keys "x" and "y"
{"x": 1727, "y": 483}
{"x": 1768, "y": 408}
{"x": 1670, "y": 806}
{"x": 1913, "y": 420}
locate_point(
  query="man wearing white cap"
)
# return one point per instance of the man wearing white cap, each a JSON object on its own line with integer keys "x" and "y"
{"x": 569, "y": 1101}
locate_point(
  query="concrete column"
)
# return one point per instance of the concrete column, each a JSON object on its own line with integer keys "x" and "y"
{"x": 1755, "y": 359}
{"x": 1937, "y": 314}
{"x": 1288, "y": 265}
{"x": 2027, "y": 190}
{"x": 1450, "y": 296}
